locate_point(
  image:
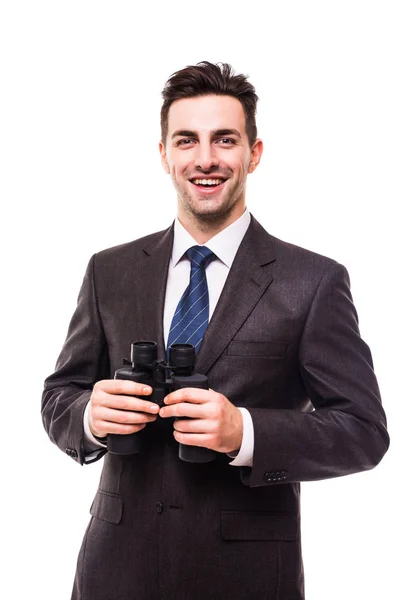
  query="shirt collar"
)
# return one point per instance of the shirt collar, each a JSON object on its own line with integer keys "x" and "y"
{"x": 224, "y": 244}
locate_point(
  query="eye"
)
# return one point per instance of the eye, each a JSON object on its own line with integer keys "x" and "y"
{"x": 184, "y": 142}
{"x": 227, "y": 141}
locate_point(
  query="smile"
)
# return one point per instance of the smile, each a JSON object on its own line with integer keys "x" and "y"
{"x": 208, "y": 186}
{"x": 212, "y": 182}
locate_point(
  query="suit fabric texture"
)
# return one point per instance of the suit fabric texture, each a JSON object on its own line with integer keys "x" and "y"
{"x": 284, "y": 343}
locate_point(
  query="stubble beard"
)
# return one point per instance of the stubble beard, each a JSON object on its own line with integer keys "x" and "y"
{"x": 206, "y": 215}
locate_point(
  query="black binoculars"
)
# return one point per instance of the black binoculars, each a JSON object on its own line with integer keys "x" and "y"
{"x": 164, "y": 377}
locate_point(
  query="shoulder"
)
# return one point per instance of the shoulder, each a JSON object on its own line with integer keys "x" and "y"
{"x": 297, "y": 255}
{"x": 309, "y": 269}
{"x": 117, "y": 256}
{"x": 290, "y": 253}
{"x": 303, "y": 267}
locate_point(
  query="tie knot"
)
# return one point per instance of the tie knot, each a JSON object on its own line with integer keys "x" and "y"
{"x": 200, "y": 256}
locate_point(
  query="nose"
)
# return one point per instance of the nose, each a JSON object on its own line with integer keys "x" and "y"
{"x": 206, "y": 157}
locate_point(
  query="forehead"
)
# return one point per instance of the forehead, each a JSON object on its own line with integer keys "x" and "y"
{"x": 206, "y": 113}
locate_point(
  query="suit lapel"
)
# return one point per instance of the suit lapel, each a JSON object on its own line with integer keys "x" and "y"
{"x": 247, "y": 281}
{"x": 152, "y": 275}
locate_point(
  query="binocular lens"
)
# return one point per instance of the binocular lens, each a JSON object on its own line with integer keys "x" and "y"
{"x": 182, "y": 355}
{"x": 143, "y": 353}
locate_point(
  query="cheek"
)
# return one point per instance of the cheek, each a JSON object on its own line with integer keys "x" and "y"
{"x": 237, "y": 167}
{"x": 176, "y": 172}
{"x": 242, "y": 171}
{"x": 176, "y": 168}
{"x": 177, "y": 175}
{"x": 238, "y": 172}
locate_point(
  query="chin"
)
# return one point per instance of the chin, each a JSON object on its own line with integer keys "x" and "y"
{"x": 209, "y": 212}
{"x": 207, "y": 206}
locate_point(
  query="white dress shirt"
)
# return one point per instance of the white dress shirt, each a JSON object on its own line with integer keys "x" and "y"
{"x": 224, "y": 244}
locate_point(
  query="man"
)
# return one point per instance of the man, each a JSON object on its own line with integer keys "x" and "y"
{"x": 292, "y": 397}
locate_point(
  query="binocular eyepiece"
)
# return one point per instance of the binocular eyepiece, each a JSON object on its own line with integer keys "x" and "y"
{"x": 163, "y": 377}
{"x": 181, "y": 356}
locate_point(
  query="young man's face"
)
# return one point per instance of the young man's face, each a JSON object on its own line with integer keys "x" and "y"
{"x": 208, "y": 156}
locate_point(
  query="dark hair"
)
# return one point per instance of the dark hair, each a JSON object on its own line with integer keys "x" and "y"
{"x": 205, "y": 79}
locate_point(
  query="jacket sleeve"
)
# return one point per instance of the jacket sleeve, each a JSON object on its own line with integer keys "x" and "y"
{"x": 83, "y": 361}
{"x": 346, "y": 431}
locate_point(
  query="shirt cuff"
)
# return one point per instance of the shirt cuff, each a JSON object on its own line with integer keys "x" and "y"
{"x": 90, "y": 443}
{"x": 244, "y": 458}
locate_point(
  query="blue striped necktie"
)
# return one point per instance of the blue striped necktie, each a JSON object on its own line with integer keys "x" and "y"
{"x": 191, "y": 315}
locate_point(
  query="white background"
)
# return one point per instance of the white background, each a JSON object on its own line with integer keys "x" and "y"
{"x": 80, "y": 171}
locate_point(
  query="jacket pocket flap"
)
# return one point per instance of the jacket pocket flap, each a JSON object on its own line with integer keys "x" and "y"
{"x": 238, "y": 525}
{"x": 266, "y": 349}
{"x": 107, "y": 507}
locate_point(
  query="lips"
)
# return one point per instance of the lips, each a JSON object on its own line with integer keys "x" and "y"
{"x": 211, "y": 187}
{"x": 207, "y": 180}
{"x": 207, "y": 189}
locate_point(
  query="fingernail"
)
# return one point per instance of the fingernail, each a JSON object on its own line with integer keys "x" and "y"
{"x": 154, "y": 408}
{"x": 146, "y": 390}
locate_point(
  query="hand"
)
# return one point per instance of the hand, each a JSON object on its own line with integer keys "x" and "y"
{"x": 214, "y": 421}
{"x": 114, "y": 409}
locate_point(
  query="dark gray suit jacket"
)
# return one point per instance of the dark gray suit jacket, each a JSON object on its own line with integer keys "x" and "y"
{"x": 283, "y": 339}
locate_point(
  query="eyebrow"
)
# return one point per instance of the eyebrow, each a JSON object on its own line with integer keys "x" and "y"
{"x": 215, "y": 133}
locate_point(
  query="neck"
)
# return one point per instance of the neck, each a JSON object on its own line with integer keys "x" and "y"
{"x": 203, "y": 227}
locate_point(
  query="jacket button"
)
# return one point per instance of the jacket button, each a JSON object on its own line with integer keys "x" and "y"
{"x": 159, "y": 507}
{"x": 274, "y": 476}
{"x": 71, "y": 452}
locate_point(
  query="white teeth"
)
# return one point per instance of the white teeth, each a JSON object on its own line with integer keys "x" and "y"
{"x": 207, "y": 181}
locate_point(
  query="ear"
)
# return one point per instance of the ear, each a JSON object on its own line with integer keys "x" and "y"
{"x": 256, "y": 154}
{"x": 163, "y": 154}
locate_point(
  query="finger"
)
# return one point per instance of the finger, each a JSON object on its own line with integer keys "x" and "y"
{"x": 195, "y": 426}
{"x": 119, "y": 428}
{"x": 129, "y": 403}
{"x": 122, "y": 416}
{"x": 203, "y": 440}
{"x": 194, "y": 395}
{"x": 123, "y": 386}
{"x": 183, "y": 409}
